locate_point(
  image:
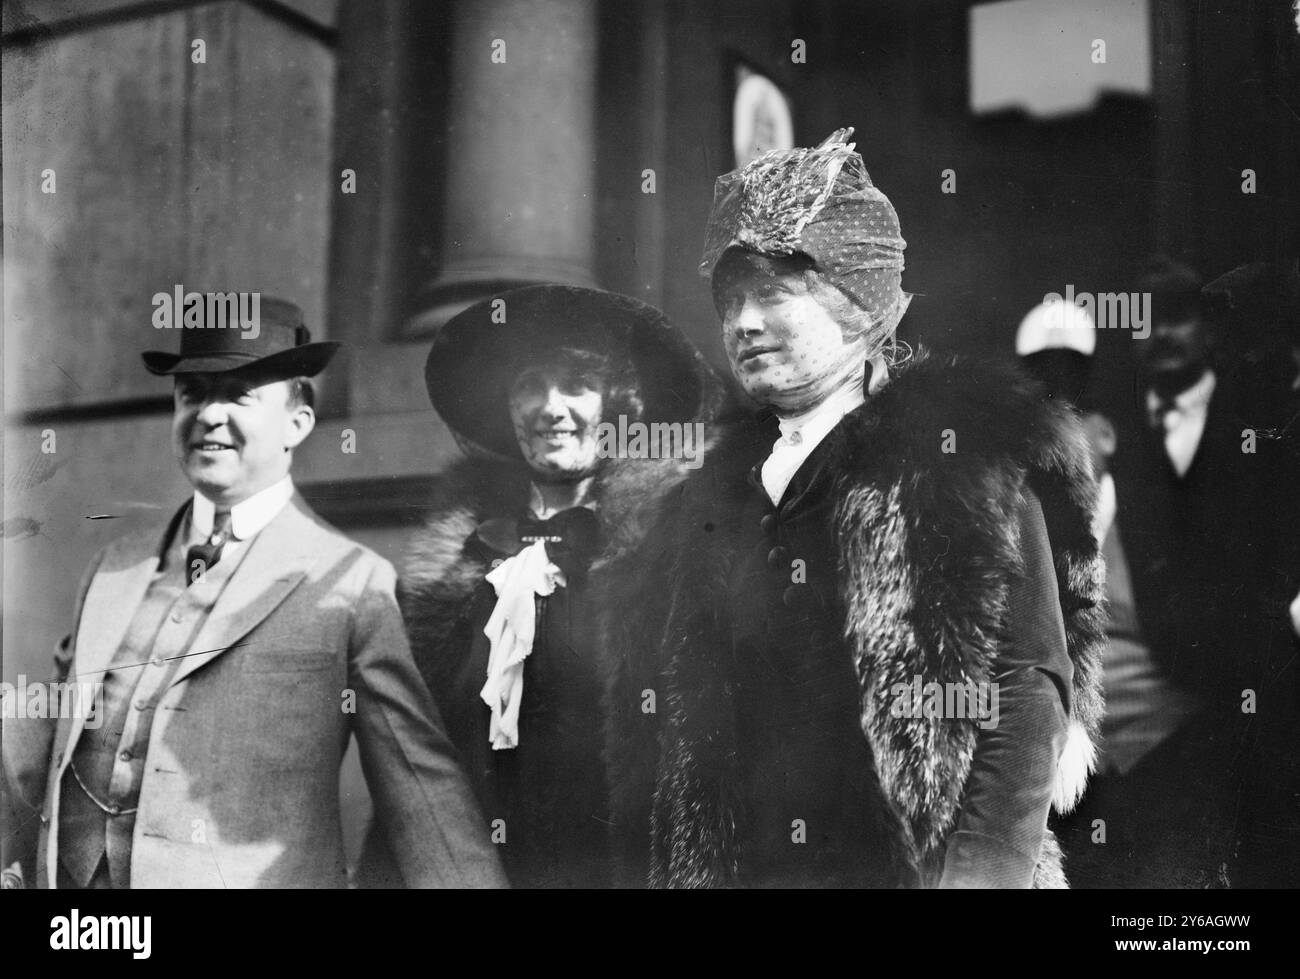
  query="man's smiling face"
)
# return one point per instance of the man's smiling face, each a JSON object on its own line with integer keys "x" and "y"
{"x": 233, "y": 433}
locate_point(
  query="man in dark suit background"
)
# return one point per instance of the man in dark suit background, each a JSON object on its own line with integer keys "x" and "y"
{"x": 1259, "y": 305}
{"x": 1194, "y": 496}
{"x": 1192, "y": 489}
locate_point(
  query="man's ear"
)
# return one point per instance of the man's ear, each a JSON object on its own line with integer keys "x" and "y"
{"x": 302, "y": 420}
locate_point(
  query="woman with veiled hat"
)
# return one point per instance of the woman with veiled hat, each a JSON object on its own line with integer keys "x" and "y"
{"x": 875, "y": 627}
{"x": 497, "y": 587}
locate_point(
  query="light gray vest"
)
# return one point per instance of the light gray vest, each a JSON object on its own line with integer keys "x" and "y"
{"x": 102, "y": 785}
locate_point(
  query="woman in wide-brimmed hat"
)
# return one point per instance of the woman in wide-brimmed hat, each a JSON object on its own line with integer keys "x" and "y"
{"x": 497, "y": 589}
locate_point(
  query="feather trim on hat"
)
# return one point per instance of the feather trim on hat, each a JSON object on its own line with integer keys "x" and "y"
{"x": 767, "y": 204}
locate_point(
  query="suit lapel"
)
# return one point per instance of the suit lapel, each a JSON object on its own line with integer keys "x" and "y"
{"x": 276, "y": 562}
{"x": 114, "y": 597}
{"x": 1215, "y": 434}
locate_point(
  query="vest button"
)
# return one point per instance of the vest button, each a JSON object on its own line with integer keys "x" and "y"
{"x": 115, "y": 810}
{"x": 124, "y": 755}
{"x": 768, "y": 523}
{"x": 793, "y": 595}
{"x": 142, "y": 705}
{"x": 177, "y": 616}
{"x": 777, "y": 556}
{"x": 157, "y": 661}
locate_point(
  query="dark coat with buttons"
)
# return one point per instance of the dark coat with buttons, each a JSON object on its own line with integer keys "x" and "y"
{"x": 758, "y": 653}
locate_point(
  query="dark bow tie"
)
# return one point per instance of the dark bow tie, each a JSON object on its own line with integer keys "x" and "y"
{"x": 572, "y": 537}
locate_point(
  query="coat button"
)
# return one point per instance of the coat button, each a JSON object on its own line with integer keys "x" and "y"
{"x": 177, "y": 616}
{"x": 778, "y": 556}
{"x": 124, "y": 755}
{"x": 142, "y": 705}
{"x": 115, "y": 810}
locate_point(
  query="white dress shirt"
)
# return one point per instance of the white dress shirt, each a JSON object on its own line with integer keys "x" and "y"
{"x": 802, "y": 433}
{"x": 246, "y": 518}
{"x": 1184, "y": 421}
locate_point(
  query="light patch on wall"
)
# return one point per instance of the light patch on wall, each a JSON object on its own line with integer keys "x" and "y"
{"x": 761, "y": 119}
{"x": 1042, "y": 55}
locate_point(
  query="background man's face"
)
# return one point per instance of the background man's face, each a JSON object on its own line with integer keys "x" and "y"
{"x": 555, "y": 415}
{"x": 233, "y": 434}
{"x": 785, "y": 347}
{"x": 1177, "y": 350}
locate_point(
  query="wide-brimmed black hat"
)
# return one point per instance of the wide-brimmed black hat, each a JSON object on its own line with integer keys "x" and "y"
{"x": 281, "y": 346}
{"x": 480, "y": 352}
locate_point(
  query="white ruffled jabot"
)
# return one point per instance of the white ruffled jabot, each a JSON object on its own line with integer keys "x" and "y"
{"x": 511, "y": 629}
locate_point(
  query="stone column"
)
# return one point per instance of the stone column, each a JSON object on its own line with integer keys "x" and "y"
{"x": 520, "y": 151}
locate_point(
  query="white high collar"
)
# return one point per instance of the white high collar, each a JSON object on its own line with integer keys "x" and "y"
{"x": 802, "y": 433}
{"x": 808, "y": 428}
{"x": 246, "y": 518}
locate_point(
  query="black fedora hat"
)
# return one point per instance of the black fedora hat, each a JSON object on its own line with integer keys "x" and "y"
{"x": 281, "y": 346}
{"x": 479, "y": 352}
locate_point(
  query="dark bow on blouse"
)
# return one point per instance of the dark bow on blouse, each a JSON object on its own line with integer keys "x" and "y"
{"x": 572, "y": 537}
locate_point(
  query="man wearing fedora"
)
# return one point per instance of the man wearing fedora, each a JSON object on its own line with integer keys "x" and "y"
{"x": 234, "y": 651}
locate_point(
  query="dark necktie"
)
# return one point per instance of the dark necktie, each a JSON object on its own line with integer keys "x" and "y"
{"x": 200, "y": 558}
{"x": 1160, "y": 418}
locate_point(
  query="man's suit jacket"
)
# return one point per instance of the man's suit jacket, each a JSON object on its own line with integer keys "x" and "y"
{"x": 1199, "y": 548}
{"x": 304, "y": 647}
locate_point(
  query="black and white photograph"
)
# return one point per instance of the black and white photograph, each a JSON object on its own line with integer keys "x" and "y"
{"x": 652, "y": 444}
